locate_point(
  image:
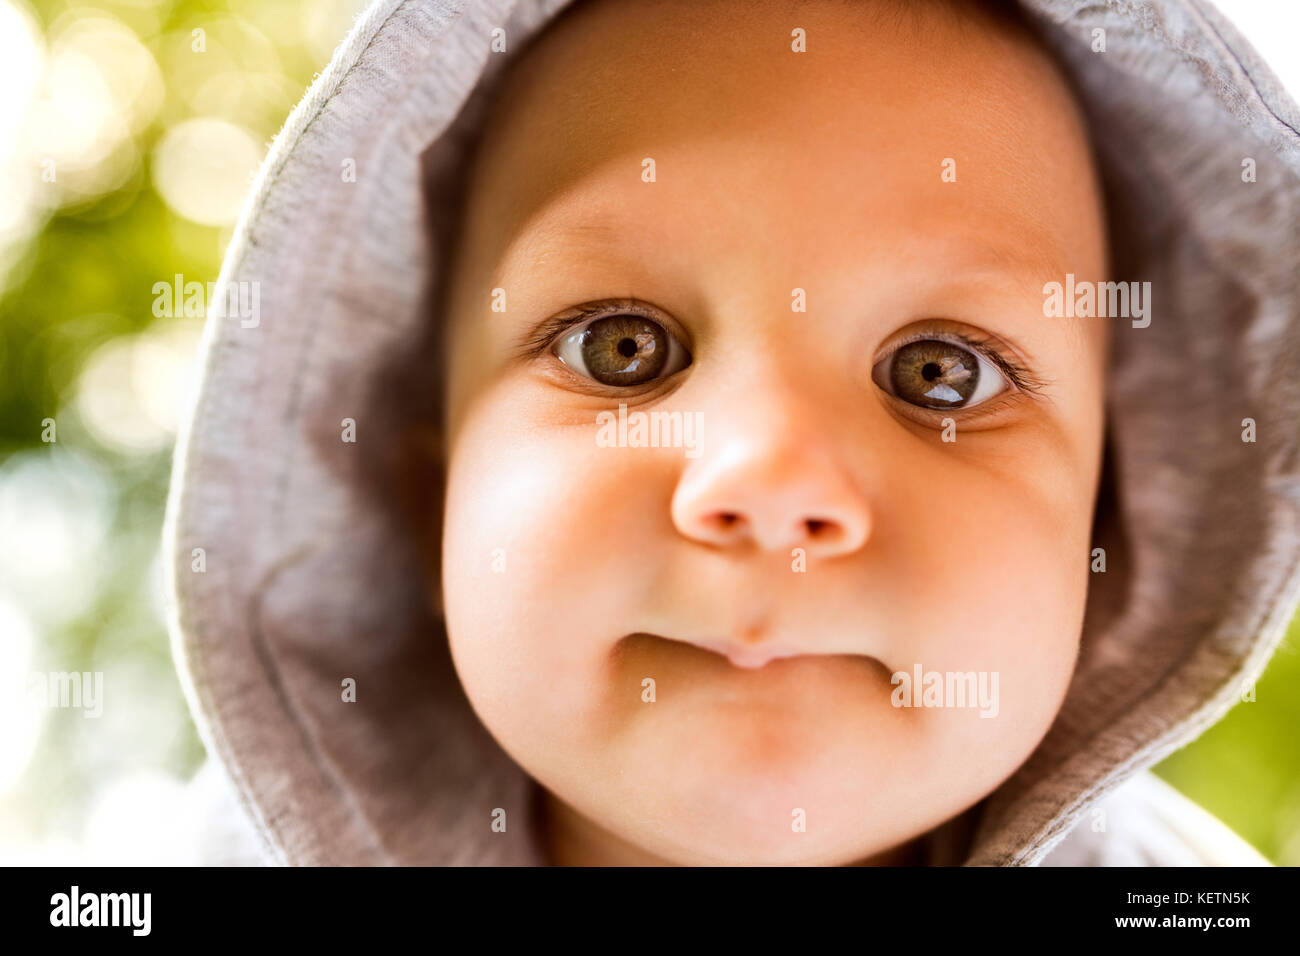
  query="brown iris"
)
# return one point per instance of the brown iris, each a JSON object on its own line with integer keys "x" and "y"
{"x": 934, "y": 374}
{"x": 624, "y": 350}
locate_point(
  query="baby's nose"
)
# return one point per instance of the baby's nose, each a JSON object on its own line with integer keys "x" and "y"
{"x": 773, "y": 495}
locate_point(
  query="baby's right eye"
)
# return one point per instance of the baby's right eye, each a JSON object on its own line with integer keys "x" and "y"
{"x": 622, "y": 350}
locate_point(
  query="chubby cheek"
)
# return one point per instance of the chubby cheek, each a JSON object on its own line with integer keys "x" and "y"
{"x": 549, "y": 544}
{"x": 992, "y": 552}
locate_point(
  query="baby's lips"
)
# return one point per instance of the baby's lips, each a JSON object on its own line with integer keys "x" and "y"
{"x": 754, "y": 654}
{"x": 750, "y": 656}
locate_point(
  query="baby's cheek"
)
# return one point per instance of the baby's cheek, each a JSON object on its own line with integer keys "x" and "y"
{"x": 997, "y": 559}
{"x": 548, "y": 549}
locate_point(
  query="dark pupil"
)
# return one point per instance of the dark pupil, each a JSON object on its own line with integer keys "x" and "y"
{"x": 934, "y": 374}
{"x": 624, "y": 350}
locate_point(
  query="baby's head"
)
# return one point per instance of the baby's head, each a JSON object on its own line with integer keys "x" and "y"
{"x": 818, "y": 234}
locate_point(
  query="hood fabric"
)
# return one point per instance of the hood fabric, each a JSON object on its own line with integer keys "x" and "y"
{"x": 306, "y": 582}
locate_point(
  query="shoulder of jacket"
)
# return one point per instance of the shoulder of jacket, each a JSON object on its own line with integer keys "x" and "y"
{"x": 1146, "y": 822}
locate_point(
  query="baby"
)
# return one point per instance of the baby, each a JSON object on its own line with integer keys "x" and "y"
{"x": 771, "y": 469}
{"x": 835, "y": 260}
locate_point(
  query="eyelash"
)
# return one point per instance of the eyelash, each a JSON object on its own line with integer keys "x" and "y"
{"x": 542, "y": 337}
{"x": 545, "y": 334}
{"x": 987, "y": 346}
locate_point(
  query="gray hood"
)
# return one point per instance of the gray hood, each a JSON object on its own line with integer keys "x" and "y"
{"x": 305, "y": 581}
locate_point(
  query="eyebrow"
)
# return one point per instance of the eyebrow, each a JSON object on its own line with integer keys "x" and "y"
{"x": 1020, "y": 264}
{"x": 547, "y": 230}
{"x": 1027, "y": 252}
{"x": 1018, "y": 268}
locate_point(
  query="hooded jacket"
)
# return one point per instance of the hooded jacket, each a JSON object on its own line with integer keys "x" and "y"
{"x": 304, "y": 582}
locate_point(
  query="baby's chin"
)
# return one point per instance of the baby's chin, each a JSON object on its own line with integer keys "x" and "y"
{"x": 800, "y": 760}
{"x": 725, "y": 792}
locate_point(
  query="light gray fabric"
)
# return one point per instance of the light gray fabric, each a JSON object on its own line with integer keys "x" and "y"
{"x": 306, "y": 582}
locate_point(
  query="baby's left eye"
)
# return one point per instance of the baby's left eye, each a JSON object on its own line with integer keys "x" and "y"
{"x": 932, "y": 373}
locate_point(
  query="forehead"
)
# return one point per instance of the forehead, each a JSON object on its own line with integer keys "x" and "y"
{"x": 843, "y": 145}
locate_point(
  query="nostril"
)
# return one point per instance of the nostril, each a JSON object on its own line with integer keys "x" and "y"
{"x": 723, "y": 520}
{"x": 819, "y": 528}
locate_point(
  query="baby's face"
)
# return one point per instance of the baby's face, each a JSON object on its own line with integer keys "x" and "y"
{"x": 895, "y": 467}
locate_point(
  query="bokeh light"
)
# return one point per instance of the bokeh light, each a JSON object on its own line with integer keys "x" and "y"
{"x": 20, "y": 721}
{"x": 203, "y": 168}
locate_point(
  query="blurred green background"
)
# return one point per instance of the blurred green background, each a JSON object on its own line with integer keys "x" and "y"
{"x": 129, "y": 135}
